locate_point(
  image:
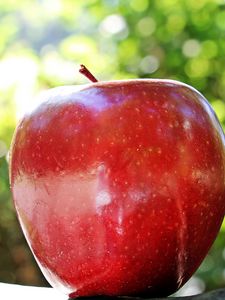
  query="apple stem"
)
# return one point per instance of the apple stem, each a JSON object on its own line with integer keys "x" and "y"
{"x": 83, "y": 70}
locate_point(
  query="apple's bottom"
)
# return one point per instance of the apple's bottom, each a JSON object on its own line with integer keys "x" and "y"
{"x": 149, "y": 293}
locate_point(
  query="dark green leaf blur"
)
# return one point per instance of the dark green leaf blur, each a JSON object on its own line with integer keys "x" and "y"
{"x": 42, "y": 43}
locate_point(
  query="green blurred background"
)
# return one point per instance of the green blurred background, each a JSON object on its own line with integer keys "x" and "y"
{"x": 42, "y": 43}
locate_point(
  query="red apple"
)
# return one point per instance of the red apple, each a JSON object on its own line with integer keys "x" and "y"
{"x": 119, "y": 186}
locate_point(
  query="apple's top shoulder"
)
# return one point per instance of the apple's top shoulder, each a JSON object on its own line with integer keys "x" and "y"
{"x": 133, "y": 82}
{"x": 67, "y": 89}
{"x": 140, "y": 82}
{"x": 72, "y": 89}
{"x": 58, "y": 95}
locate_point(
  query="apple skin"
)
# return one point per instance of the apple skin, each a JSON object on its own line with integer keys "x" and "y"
{"x": 119, "y": 186}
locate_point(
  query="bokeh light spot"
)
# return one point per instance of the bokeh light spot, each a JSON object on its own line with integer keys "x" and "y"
{"x": 196, "y": 5}
{"x": 149, "y": 64}
{"x": 209, "y": 49}
{"x": 197, "y": 68}
{"x": 139, "y": 5}
{"x": 114, "y": 25}
{"x": 220, "y": 20}
{"x": 191, "y": 48}
{"x": 176, "y": 23}
{"x": 146, "y": 26}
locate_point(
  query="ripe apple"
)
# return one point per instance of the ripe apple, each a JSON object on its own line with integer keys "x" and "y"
{"x": 119, "y": 186}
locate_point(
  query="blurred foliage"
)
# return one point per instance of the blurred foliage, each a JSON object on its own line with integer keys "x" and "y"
{"x": 42, "y": 42}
